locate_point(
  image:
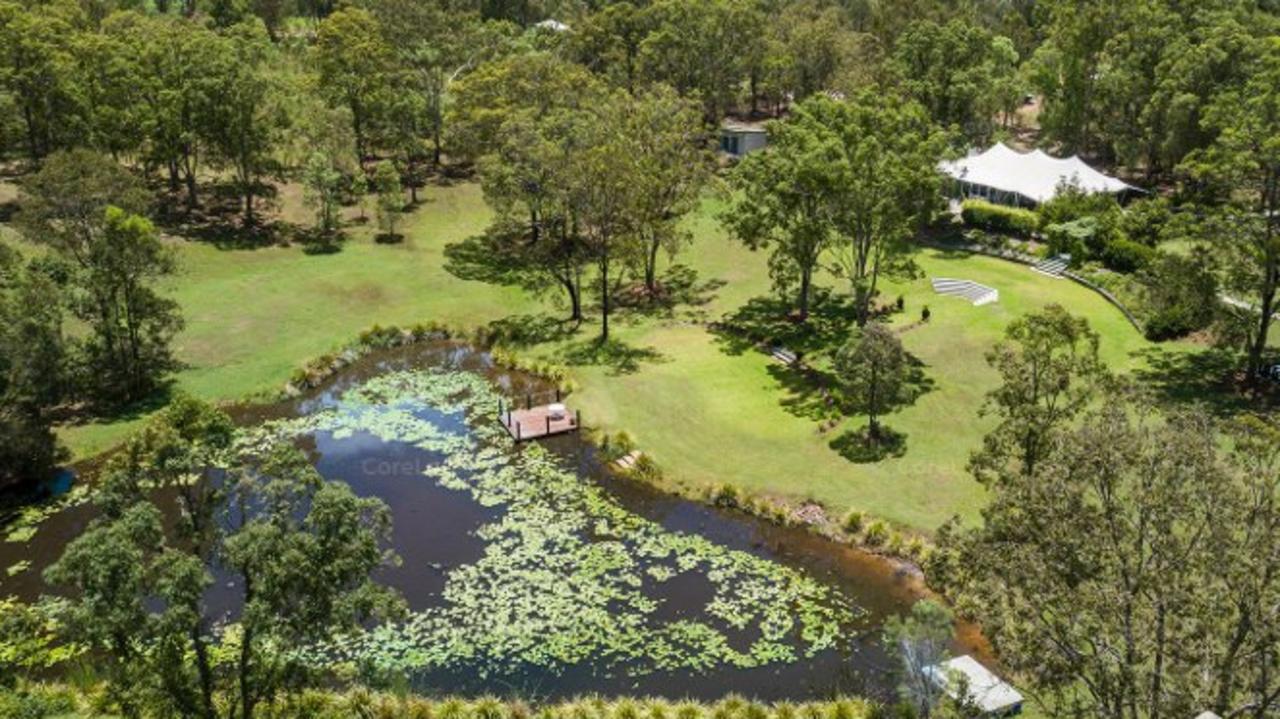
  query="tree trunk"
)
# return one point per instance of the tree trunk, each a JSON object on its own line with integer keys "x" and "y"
{"x": 604, "y": 296}
{"x": 33, "y": 141}
{"x": 575, "y": 299}
{"x": 205, "y": 672}
{"x": 190, "y": 175}
{"x": 246, "y": 653}
{"x": 413, "y": 181}
{"x": 357, "y": 127}
{"x": 651, "y": 267}
{"x": 1268, "y": 308}
{"x": 806, "y": 280}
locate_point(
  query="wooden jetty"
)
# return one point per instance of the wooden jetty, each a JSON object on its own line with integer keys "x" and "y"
{"x": 536, "y": 421}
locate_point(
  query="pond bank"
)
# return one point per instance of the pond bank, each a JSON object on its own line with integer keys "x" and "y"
{"x": 756, "y": 606}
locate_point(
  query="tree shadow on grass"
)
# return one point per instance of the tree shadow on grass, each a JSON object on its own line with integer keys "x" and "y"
{"x": 107, "y": 412}
{"x": 8, "y": 210}
{"x": 619, "y": 357}
{"x": 317, "y": 242}
{"x": 860, "y": 447}
{"x": 1207, "y": 377}
{"x": 528, "y": 330}
{"x": 679, "y": 288}
{"x": 768, "y": 321}
{"x": 485, "y": 258}
{"x": 814, "y": 394}
{"x": 219, "y": 221}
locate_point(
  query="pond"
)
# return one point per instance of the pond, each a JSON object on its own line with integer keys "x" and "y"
{"x": 533, "y": 570}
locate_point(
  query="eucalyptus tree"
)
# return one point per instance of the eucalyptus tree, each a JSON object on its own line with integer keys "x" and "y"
{"x": 887, "y": 186}
{"x": 1209, "y": 53}
{"x": 1066, "y": 68}
{"x": 963, "y": 74}
{"x": 35, "y": 69}
{"x": 33, "y": 370}
{"x": 872, "y": 368}
{"x": 390, "y": 197}
{"x": 323, "y": 184}
{"x": 523, "y": 118}
{"x": 1135, "y": 569}
{"x": 920, "y": 641}
{"x": 783, "y": 198}
{"x": 1245, "y": 162}
{"x": 698, "y": 47}
{"x": 356, "y": 69}
{"x": 434, "y": 44}
{"x": 109, "y": 83}
{"x": 266, "y": 518}
{"x": 178, "y": 94}
{"x": 86, "y": 208}
{"x": 671, "y": 165}
{"x": 810, "y": 47}
{"x": 603, "y": 195}
{"x": 608, "y": 42}
{"x": 1050, "y": 373}
{"x": 246, "y": 120}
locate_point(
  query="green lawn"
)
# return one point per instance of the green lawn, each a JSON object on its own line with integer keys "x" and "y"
{"x": 704, "y": 413}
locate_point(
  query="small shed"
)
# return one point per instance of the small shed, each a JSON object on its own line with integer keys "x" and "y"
{"x": 1006, "y": 176}
{"x": 738, "y": 138}
{"x": 986, "y": 691}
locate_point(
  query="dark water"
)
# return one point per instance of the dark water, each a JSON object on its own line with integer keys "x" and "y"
{"x": 434, "y": 531}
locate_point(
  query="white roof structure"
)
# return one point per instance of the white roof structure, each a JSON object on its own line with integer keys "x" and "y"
{"x": 553, "y": 25}
{"x": 1034, "y": 176}
{"x": 987, "y": 691}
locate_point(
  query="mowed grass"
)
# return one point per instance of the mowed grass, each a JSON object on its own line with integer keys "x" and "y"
{"x": 706, "y": 414}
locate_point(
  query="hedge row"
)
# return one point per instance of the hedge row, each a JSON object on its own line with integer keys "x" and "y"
{"x": 998, "y": 218}
{"x": 38, "y": 701}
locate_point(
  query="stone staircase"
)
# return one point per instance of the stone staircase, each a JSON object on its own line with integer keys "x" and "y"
{"x": 966, "y": 289}
{"x": 1054, "y": 266}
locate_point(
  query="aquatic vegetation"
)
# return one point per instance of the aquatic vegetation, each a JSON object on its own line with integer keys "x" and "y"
{"x": 567, "y": 574}
{"x": 24, "y": 527}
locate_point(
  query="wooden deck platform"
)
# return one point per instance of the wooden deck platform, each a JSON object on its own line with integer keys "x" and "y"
{"x": 537, "y": 422}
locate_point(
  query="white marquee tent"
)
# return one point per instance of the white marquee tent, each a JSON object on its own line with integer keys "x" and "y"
{"x": 1004, "y": 175}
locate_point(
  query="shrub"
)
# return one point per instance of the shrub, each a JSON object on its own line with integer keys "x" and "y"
{"x": 1124, "y": 255}
{"x": 999, "y": 218}
{"x": 1145, "y": 220}
{"x": 877, "y": 534}
{"x": 726, "y": 496}
{"x": 853, "y": 521}
{"x": 917, "y": 549}
{"x": 1180, "y": 296}
{"x": 35, "y": 702}
{"x": 1072, "y": 238}
{"x": 896, "y": 545}
{"x": 1071, "y": 204}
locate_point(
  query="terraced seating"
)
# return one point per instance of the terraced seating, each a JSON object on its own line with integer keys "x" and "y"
{"x": 966, "y": 289}
{"x": 1054, "y": 266}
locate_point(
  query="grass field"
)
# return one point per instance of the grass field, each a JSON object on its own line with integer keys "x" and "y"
{"x": 706, "y": 411}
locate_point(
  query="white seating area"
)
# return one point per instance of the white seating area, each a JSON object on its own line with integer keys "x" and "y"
{"x": 987, "y": 692}
{"x": 1054, "y": 266}
{"x": 966, "y": 289}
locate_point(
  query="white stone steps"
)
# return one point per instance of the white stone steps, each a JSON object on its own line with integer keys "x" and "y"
{"x": 1053, "y": 266}
{"x": 976, "y": 293}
